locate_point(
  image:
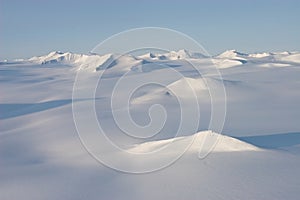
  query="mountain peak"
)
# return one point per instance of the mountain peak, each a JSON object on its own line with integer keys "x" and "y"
{"x": 233, "y": 54}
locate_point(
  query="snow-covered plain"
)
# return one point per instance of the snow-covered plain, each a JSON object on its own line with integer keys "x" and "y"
{"x": 256, "y": 157}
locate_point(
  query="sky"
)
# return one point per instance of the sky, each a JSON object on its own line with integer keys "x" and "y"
{"x": 37, "y": 27}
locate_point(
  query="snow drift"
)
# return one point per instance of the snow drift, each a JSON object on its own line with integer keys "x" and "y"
{"x": 223, "y": 144}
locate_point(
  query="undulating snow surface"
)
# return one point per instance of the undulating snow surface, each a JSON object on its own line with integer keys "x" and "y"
{"x": 256, "y": 156}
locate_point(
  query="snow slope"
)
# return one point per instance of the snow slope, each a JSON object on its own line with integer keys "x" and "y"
{"x": 224, "y": 144}
{"x": 256, "y": 155}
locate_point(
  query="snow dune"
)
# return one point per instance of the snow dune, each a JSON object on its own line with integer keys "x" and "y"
{"x": 224, "y": 144}
{"x": 197, "y": 84}
{"x": 178, "y": 88}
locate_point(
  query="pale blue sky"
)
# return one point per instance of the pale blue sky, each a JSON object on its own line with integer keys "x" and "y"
{"x": 36, "y": 27}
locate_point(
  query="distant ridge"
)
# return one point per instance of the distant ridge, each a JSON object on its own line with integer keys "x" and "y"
{"x": 96, "y": 62}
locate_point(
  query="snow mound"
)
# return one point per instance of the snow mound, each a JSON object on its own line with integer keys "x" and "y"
{"x": 184, "y": 88}
{"x": 272, "y": 65}
{"x": 289, "y": 57}
{"x": 230, "y": 58}
{"x": 227, "y": 63}
{"x": 197, "y": 142}
{"x": 185, "y": 83}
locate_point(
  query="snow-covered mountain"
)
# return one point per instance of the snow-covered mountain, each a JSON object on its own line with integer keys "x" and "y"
{"x": 91, "y": 62}
{"x": 233, "y": 54}
{"x": 230, "y": 58}
{"x": 173, "y": 55}
{"x": 58, "y": 56}
{"x": 285, "y": 56}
